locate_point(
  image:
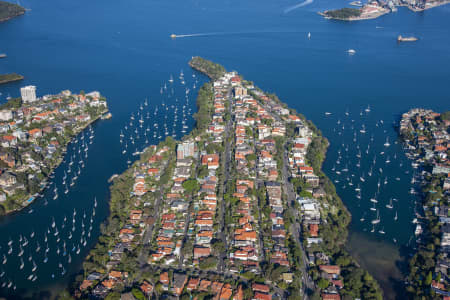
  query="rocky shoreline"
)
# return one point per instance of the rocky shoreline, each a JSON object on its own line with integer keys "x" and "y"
{"x": 10, "y": 10}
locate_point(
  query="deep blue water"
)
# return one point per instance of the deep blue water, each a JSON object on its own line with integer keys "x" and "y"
{"x": 123, "y": 49}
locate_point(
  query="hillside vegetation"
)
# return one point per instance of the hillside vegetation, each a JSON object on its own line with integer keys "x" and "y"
{"x": 10, "y": 10}
{"x": 343, "y": 13}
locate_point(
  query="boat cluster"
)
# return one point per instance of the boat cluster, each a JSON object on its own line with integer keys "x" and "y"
{"x": 57, "y": 243}
{"x": 170, "y": 118}
{"x": 76, "y": 164}
{"x": 52, "y": 249}
{"x": 365, "y": 166}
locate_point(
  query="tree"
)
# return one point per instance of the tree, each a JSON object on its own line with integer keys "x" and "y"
{"x": 323, "y": 283}
{"x": 113, "y": 296}
{"x": 191, "y": 186}
{"x": 138, "y": 294}
{"x": 218, "y": 246}
{"x": 429, "y": 278}
{"x": 445, "y": 116}
{"x": 202, "y": 171}
{"x": 251, "y": 157}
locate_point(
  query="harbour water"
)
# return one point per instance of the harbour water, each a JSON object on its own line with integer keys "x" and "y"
{"x": 123, "y": 49}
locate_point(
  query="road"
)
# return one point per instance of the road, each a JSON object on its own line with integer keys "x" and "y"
{"x": 225, "y": 161}
{"x": 295, "y": 228}
{"x": 146, "y": 240}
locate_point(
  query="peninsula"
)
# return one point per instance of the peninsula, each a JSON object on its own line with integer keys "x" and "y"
{"x": 238, "y": 209}
{"x": 10, "y": 10}
{"x": 34, "y": 133}
{"x": 5, "y": 78}
{"x": 426, "y": 139}
{"x": 376, "y": 8}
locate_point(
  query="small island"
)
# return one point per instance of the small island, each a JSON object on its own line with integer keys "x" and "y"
{"x": 34, "y": 133}
{"x": 5, "y": 78}
{"x": 376, "y": 8}
{"x": 10, "y": 10}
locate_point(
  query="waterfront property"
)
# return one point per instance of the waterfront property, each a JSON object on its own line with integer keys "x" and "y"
{"x": 375, "y": 8}
{"x": 215, "y": 214}
{"x": 34, "y": 132}
{"x": 427, "y": 140}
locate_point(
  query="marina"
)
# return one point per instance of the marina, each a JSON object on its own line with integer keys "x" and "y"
{"x": 61, "y": 241}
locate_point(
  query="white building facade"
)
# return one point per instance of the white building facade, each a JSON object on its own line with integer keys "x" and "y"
{"x": 28, "y": 93}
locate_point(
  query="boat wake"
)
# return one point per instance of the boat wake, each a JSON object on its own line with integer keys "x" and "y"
{"x": 176, "y": 36}
{"x": 294, "y": 7}
{"x": 199, "y": 34}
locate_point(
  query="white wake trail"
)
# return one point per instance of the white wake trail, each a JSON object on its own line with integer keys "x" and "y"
{"x": 199, "y": 34}
{"x": 294, "y": 7}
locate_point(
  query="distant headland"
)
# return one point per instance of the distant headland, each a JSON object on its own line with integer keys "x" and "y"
{"x": 376, "y": 8}
{"x": 5, "y": 78}
{"x": 10, "y": 10}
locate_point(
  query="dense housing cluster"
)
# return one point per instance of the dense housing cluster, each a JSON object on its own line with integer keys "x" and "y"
{"x": 426, "y": 139}
{"x": 34, "y": 133}
{"x": 226, "y": 212}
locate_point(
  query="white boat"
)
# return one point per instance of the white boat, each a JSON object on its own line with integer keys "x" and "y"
{"x": 351, "y": 51}
{"x": 34, "y": 267}
{"x": 20, "y": 251}
{"x": 390, "y": 206}
{"x": 386, "y": 144}
{"x": 377, "y": 220}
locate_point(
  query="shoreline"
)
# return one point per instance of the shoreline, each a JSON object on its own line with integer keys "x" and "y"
{"x": 11, "y": 10}
{"x": 371, "y": 17}
{"x": 24, "y": 204}
{"x": 433, "y": 185}
{"x": 12, "y": 77}
{"x": 383, "y": 11}
{"x": 145, "y": 240}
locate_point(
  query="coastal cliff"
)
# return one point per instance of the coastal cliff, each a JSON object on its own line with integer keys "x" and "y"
{"x": 10, "y": 10}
